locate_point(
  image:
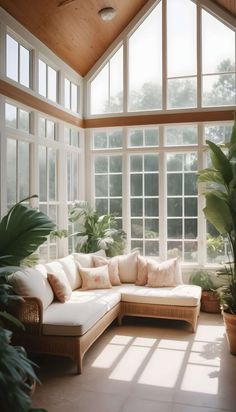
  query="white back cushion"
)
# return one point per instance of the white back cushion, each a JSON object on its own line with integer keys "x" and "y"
{"x": 85, "y": 260}
{"x": 128, "y": 267}
{"x": 71, "y": 270}
{"x": 33, "y": 282}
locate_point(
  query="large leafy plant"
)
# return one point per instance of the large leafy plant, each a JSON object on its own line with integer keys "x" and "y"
{"x": 96, "y": 232}
{"x": 22, "y": 231}
{"x": 220, "y": 209}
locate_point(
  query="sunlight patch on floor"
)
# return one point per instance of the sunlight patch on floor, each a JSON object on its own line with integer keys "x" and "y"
{"x": 201, "y": 378}
{"x": 129, "y": 364}
{"x": 108, "y": 356}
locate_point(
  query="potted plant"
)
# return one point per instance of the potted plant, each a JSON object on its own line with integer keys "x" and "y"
{"x": 220, "y": 210}
{"x": 22, "y": 231}
{"x": 210, "y": 302}
{"x": 96, "y": 232}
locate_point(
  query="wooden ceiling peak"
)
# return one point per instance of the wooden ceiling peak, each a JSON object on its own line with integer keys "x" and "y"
{"x": 72, "y": 29}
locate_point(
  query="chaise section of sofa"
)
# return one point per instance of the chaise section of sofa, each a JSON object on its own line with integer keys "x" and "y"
{"x": 70, "y": 328}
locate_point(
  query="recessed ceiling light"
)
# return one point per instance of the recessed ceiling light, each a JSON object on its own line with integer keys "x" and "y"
{"x": 107, "y": 13}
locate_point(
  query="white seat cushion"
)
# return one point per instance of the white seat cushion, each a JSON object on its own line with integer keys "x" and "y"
{"x": 77, "y": 315}
{"x": 182, "y": 295}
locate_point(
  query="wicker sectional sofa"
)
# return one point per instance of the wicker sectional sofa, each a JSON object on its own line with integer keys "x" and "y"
{"x": 70, "y": 328}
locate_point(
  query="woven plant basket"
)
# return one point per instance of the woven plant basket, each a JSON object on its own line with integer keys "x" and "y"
{"x": 210, "y": 302}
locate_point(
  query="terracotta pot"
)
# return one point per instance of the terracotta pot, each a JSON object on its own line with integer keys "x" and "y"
{"x": 230, "y": 326}
{"x": 210, "y": 302}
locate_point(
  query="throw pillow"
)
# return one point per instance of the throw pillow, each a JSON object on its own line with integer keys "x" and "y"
{"x": 128, "y": 267}
{"x": 113, "y": 268}
{"x": 95, "y": 278}
{"x": 71, "y": 270}
{"x": 164, "y": 274}
{"x": 142, "y": 271}
{"x": 60, "y": 286}
{"x": 85, "y": 260}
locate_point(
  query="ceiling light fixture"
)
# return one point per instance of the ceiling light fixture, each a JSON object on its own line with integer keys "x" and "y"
{"x": 107, "y": 13}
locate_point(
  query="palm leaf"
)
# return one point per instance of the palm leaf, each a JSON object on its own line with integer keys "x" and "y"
{"x": 210, "y": 176}
{"x": 22, "y": 231}
{"x": 218, "y": 213}
{"x": 220, "y": 162}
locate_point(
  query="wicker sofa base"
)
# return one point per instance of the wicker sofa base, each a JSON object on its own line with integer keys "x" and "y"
{"x": 30, "y": 312}
{"x": 73, "y": 347}
{"x": 187, "y": 313}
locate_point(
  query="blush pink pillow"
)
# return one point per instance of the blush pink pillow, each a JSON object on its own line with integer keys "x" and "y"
{"x": 113, "y": 268}
{"x": 60, "y": 286}
{"x": 164, "y": 274}
{"x": 95, "y": 278}
{"x": 142, "y": 272}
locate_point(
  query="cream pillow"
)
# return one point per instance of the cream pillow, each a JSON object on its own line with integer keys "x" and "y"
{"x": 164, "y": 274}
{"x": 71, "y": 270}
{"x": 128, "y": 267}
{"x": 60, "y": 286}
{"x": 86, "y": 259}
{"x": 113, "y": 268}
{"x": 32, "y": 282}
{"x": 95, "y": 278}
{"x": 142, "y": 271}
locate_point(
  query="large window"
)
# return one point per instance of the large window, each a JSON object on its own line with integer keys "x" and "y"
{"x": 145, "y": 64}
{"x": 71, "y": 96}
{"x": 148, "y": 180}
{"x": 17, "y": 118}
{"x": 107, "y": 86}
{"x": 47, "y": 81}
{"x": 179, "y": 56}
{"x": 17, "y": 61}
{"x": 218, "y": 62}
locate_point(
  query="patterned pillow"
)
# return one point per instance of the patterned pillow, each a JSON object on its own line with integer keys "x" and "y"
{"x": 95, "y": 278}
{"x": 113, "y": 268}
{"x": 60, "y": 286}
{"x": 164, "y": 274}
{"x": 142, "y": 271}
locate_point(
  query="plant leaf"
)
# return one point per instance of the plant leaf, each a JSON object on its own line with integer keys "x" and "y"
{"x": 218, "y": 213}
{"x": 220, "y": 162}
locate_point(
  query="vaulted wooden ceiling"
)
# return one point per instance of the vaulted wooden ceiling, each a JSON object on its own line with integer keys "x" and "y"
{"x": 73, "y": 30}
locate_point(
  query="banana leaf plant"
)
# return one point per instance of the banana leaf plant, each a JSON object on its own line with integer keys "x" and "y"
{"x": 96, "y": 232}
{"x": 220, "y": 208}
{"x": 22, "y": 231}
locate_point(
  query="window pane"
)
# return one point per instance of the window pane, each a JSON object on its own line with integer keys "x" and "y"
{"x": 24, "y": 66}
{"x": 115, "y": 185}
{"x": 101, "y": 186}
{"x": 102, "y": 206}
{"x": 151, "y": 184}
{"x": 11, "y": 172}
{"x": 136, "y": 207}
{"x": 174, "y": 228}
{"x": 151, "y": 163}
{"x": 182, "y": 93}
{"x": 136, "y": 228}
{"x": 74, "y": 98}
{"x": 151, "y": 228}
{"x": 183, "y": 135}
{"x": 190, "y": 184}
{"x": 12, "y": 58}
{"x": 52, "y": 84}
{"x": 190, "y": 207}
{"x": 52, "y": 174}
{"x": 23, "y": 170}
{"x": 174, "y": 207}
{"x": 23, "y": 120}
{"x": 101, "y": 164}
{"x": 116, "y": 164}
{"x": 219, "y": 90}
{"x": 115, "y": 139}
{"x": 136, "y": 163}
{"x": 42, "y": 78}
{"x": 67, "y": 94}
{"x": 152, "y": 248}
{"x": 218, "y": 46}
{"x": 151, "y": 137}
{"x": 10, "y": 115}
{"x": 100, "y": 140}
{"x": 136, "y": 182}
{"x": 181, "y": 38}
{"x": 174, "y": 249}
{"x": 42, "y": 127}
{"x": 42, "y": 174}
{"x": 174, "y": 184}
{"x": 74, "y": 138}
{"x": 190, "y": 228}
{"x": 151, "y": 207}
{"x": 145, "y": 63}
{"x": 116, "y": 207}
{"x": 218, "y": 133}
{"x": 174, "y": 162}
{"x": 136, "y": 137}
{"x": 50, "y": 129}
{"x": 99, "y": 92}
{"x": 116, "y": 82}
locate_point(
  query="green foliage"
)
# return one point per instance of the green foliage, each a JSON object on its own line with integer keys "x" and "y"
{"x": 22, "y": 231}
{"x": 215, "y": 245}
{"x": 203, "y": 279}
{"x": 96, "y": 232}
{"x": 220, "y": 209}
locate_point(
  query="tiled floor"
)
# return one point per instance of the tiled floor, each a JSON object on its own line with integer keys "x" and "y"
{"x": 146, "y": 365}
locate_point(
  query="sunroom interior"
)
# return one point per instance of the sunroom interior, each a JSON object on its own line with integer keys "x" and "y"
{"x": 117, "y": 113}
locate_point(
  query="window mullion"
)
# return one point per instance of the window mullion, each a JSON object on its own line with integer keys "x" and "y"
{"x": 164, "y": 55}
